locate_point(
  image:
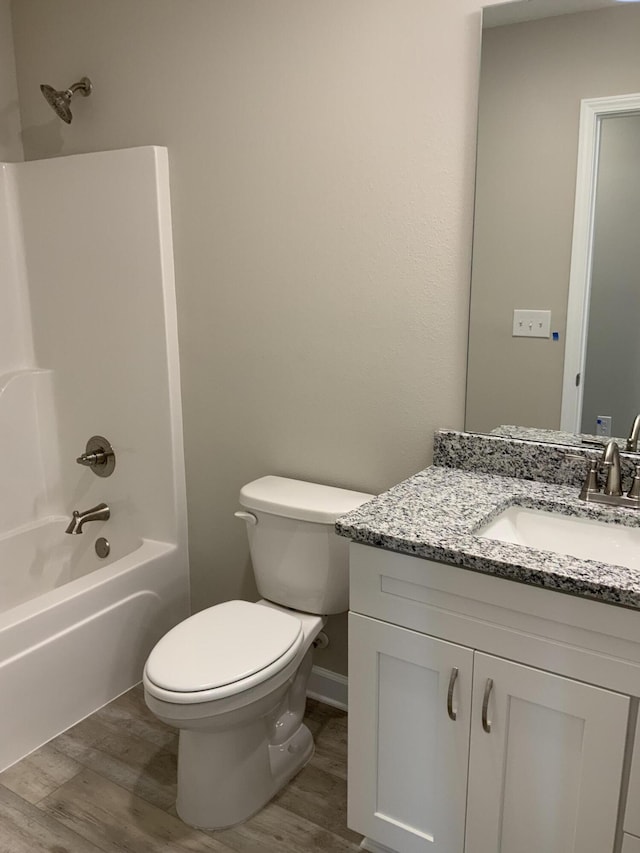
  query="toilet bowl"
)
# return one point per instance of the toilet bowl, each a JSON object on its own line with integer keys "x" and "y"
{"x": 242, "y": 739}
{"x": 233, "y": 678}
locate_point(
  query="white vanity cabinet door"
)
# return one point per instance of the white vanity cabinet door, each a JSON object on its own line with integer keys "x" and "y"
{"x": 547, "y": 775}
{"x": 632, "y": 813}
{"x": 407, "y": 757}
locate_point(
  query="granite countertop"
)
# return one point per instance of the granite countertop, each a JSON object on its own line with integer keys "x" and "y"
{"x": 435, "y": 513}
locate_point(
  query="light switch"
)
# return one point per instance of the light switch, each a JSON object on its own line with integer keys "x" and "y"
{"x": 603, "y": 425}
{"x": 531, "y": 324}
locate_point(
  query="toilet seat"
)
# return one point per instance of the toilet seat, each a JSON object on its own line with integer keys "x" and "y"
{"x": 222, "y": 651}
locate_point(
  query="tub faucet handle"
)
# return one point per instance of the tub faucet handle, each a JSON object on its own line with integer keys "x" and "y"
{"x": 98, "y": 456}
{"x": 91, "y": 459}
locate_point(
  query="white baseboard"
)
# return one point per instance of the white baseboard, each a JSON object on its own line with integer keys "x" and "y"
{"x": 329, "y": 687}
{"x": 374, "y": 847}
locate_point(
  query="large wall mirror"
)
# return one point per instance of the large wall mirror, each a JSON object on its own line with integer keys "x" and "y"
{"x": 557, "y": 220}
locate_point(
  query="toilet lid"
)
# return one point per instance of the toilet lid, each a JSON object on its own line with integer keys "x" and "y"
{"x": 221, "y": 645}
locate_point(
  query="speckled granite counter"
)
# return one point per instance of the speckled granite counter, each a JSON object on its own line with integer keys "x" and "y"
{"x": 553, "y": 436}
{"x": 527, "y": 460}
{"x": 434, "y": 515}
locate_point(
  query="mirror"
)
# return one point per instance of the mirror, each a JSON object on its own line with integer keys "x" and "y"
{"x": 550, "y": 69}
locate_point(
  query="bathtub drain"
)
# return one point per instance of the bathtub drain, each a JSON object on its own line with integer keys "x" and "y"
{"x": 102, "y": 547}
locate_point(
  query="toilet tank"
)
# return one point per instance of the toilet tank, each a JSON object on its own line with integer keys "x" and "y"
{"x": 298, "y": 559}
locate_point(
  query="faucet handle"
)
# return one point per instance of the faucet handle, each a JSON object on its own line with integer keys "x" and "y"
{"x": 591, "y": 485}
{"x": 634, "y": 491}
{"x": 99, "y": 456}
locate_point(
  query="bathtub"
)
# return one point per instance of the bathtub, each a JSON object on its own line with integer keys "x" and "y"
{"x": 75, "y": 630}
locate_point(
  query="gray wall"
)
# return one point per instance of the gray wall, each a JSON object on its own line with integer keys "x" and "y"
{"x": 533, "y": 78}
{"x": 10, "y": 140}
{"x": 322, "y": 159}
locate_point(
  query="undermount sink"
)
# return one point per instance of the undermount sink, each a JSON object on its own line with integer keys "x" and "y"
{"x": 616, "y": 544}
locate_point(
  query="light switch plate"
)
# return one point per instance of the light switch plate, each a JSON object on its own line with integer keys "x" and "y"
{"x": 603, "y": 425}
{"x": 531, "y": 324}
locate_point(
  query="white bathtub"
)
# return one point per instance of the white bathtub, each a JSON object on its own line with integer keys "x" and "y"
{"x": 75, "y": 630}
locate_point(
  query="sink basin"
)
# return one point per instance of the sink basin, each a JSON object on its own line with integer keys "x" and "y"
{"x": 585, "y": 538}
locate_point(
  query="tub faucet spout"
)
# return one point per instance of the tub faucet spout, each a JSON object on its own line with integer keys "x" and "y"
{"x": 101, "y": 512}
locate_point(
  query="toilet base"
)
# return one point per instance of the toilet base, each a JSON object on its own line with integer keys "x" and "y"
{"x": 221, "y": 784}
{"x": 235, "y": 753}
{"x": 290, "y": 757}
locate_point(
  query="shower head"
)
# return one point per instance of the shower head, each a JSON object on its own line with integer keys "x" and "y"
{"x": 60, "y": 101}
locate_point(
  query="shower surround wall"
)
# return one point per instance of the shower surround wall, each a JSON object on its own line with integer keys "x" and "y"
{"x": 95, "y": 268}
{"x": 28, "y": 464}
{"x": 88, "y": 345}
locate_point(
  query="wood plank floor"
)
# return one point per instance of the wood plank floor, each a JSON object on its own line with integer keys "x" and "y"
{"x": 108, "y": 786}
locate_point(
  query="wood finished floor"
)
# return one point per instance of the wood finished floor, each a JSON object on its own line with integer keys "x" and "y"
{"x": 108, "y": 786}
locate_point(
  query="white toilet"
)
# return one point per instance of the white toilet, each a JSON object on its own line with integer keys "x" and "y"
{"x": 233, "y": 678}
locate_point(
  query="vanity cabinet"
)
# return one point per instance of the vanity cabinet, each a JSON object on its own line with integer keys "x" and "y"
{"x": 546, "y": 772}
{"x": 632, "y": 816}
{"x": 630, "y": 844}
{"x": 408, "y": 737}
{"x": 469, "y": 735}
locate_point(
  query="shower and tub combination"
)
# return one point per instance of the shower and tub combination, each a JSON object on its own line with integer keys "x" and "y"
{"x": 88, "y": 349}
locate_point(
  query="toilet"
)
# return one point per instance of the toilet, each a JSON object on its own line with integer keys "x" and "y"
{"x": 233, "y": 678}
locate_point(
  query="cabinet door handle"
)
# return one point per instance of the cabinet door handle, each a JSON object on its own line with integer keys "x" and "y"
{"x": 452, "y": 683}
{"x": 486, "y": 723}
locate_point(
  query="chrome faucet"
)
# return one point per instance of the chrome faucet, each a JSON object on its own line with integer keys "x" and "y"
{"x": 634, "y": 435}
{"x": 101, "y": 512}
{"x": 612, "y": 492}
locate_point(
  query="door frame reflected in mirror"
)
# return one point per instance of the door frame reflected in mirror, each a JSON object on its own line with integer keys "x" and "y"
{"x": 592, "y": 112}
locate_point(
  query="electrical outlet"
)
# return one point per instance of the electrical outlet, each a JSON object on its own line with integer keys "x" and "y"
{"x": 531, "y": 324}
{"x": 603, "y": 425}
